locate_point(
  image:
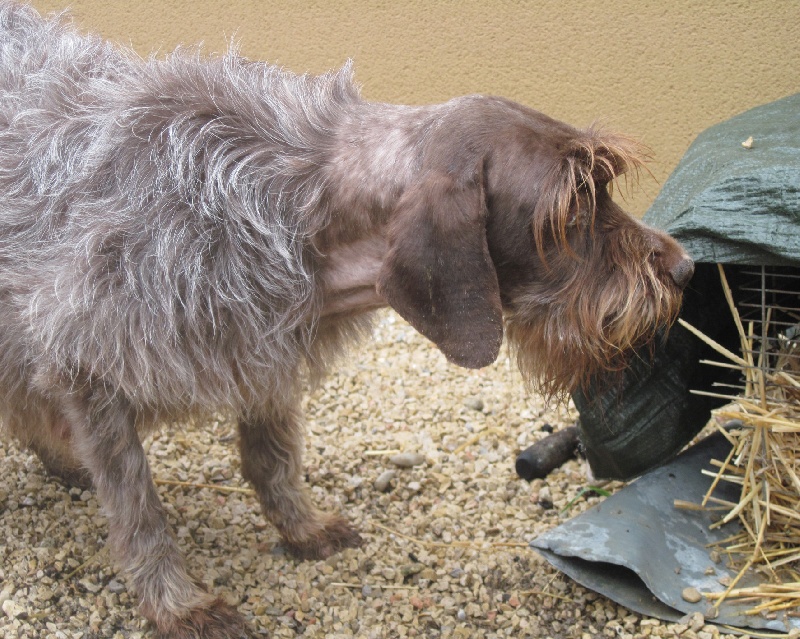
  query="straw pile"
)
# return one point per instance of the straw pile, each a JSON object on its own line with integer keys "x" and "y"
{"x": 765, "y": 461}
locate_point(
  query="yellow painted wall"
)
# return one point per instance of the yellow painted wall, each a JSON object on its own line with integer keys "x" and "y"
{"x": 661, "y": 70}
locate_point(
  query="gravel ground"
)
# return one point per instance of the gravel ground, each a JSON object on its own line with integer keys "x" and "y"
{"x": 446, "y": 540}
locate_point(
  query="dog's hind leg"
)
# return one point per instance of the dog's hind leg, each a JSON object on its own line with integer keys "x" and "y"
{"x": 61, "y": 464}
{"x": 106, "y": 441}
{"x": 271, "y": 450}
{"x": 43, "y": 430}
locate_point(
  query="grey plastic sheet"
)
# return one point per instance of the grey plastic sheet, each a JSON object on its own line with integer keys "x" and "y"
{"x": 639, "y": 550}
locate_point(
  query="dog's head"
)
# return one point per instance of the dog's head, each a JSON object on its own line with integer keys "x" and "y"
{"x": 511, "y": 224}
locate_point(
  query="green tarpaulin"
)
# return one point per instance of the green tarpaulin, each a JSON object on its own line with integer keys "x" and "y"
{"x": 736, "y": 205}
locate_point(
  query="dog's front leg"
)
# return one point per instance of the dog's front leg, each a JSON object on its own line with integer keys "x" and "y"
{"x": 271, "y": 449}
{"x": 106, "y": 442}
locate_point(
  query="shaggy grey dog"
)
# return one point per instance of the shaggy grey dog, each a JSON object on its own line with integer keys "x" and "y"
{"x": 193, "y": 235}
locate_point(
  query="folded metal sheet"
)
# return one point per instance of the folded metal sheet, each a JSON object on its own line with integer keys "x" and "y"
{"x": 639, "y": 550}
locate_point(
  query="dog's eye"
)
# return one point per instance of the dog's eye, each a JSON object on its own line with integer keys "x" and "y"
{"x": 572, "y": 220}
{"x": 578, "y": 217}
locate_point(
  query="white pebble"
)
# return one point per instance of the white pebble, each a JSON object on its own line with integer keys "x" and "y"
{"x": 475, "y": 403}
{"x": 407, "y": 460}
{"x": 382, "y": 483}
{"x": 115, "y": 587}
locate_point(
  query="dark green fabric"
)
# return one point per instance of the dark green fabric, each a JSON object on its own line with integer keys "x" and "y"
{"x": 644, "y": 419}
{"x": 729, "y": 204}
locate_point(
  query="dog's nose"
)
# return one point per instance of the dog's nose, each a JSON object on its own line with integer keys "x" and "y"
{"x": 682, "y": 271}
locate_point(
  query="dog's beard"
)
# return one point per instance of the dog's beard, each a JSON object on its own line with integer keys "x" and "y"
{"x": 589, "y": 326}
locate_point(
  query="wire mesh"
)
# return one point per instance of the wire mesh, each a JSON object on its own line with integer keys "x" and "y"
{"x": 769, "y": 305}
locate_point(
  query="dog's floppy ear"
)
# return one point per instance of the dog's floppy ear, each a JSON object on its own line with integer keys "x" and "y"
{"x": 438, "y": 273}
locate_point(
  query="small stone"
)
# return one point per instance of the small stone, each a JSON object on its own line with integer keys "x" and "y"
{"x": 545, "y": 498}
{"x": 6, "y": 594}
{"x": 475, "y": 403}
{"x": 695, "y": 621}
{"x": 45, "y": 594}
{"x": 90, "y": 585}
{"x": 383, "y": 483}
{"x": 411, "y": 569}
{"x": 407, "y": 460}
{"x": 714, "y": 556}
{"x": 115, "y": 587}
{"x": 461, "y": 615}
{"x": 12, "y": 609}
{"x": 691, "y": 594}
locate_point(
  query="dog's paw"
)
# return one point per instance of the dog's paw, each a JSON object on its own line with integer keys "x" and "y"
{"x": 334, "y": 536}
{"x": 216, "y": 621}
{"x": 72, "y": 477}
{"x": 67, "y": 473}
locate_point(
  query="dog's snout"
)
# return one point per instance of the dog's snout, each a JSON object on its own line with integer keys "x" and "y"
{"x": 682, "y": 271}
{"x": 672, "y": 259}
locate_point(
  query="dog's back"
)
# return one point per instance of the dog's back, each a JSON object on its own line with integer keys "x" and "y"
{"x": 152, "y": 215}
{"x": 44, "y": 64}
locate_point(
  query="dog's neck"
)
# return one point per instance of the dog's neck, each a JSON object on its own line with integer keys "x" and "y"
{"x": 377, "y": 155}
{"x": 377, "y": 151}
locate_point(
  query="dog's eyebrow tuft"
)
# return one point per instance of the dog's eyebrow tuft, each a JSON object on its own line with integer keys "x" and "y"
{"x": 591, "y": 160}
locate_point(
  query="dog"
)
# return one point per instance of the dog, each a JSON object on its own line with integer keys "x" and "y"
{"x": 202, "y": 235}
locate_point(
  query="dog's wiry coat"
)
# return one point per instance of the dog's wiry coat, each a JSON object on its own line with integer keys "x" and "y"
{"x": 195, "y": 235}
